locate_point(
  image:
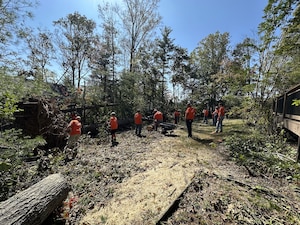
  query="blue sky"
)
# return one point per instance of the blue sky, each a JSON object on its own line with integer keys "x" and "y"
{"x": 190, "y": 20}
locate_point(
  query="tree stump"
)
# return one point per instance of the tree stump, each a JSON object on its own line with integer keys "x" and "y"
{"x": 33, "y": 205}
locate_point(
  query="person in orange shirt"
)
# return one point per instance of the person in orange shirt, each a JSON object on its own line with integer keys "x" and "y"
{"x": 158, "y": 118}
{"x": 176, "y": 116}
{"x": 138, "y": 123}
{"x": 221, "y": 115}
{"x": 205, "y": 115}
{"x": 74, "y": 128}
{"x": 113, "y": 125}
{"x": 189, "y": 118}
{"x": 215, "y": 115}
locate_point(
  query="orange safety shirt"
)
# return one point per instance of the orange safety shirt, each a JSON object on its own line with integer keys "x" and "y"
{"x": 138, "y": 118}
{"x": 75, "y": 126}
{"x": 190, "y": 113}
{"x": 205, "y": 112}
{"x": 215, "y": 113}
{"x": 176, "y": 114}
{"x": 221, "y": 111}
{"x": 113, "y": 123}
{"x": 158, "y": 116}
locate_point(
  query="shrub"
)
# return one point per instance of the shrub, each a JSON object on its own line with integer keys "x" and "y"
{"x": 14, "y": 148}
{"x": 265, "y": 155}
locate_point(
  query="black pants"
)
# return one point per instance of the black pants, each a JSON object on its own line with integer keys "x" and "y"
{"x": 189, "y": 127}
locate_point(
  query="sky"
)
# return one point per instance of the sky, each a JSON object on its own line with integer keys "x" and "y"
{"x": 190, "y": 20}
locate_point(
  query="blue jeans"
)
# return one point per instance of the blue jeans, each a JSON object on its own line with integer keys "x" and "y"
{"x": 138, "y": 129}
{"x": 219, "y": 125}
{"x": 215, "y": 119}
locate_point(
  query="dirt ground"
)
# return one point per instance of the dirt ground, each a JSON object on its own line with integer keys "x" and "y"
{"x": 172, "y": 179}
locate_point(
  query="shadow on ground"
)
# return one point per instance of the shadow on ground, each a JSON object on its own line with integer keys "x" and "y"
{"x": 202, "y": 141}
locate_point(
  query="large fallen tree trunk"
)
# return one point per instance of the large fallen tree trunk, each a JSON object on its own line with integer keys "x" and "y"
{"x": 33, "y": 205}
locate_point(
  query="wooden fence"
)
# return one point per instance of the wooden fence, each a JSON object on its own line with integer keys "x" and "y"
{"x": 286, "y": 114}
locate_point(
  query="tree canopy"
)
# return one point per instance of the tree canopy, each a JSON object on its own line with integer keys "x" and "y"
{"x": 128, "y": 57}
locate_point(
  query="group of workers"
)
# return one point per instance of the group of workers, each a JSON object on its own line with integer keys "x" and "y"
{"x": 74, "y": 127}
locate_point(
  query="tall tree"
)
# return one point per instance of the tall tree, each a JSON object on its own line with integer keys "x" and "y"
{"x": 139, "y": 19}
{"x": 41, "y": 52}
{"x": 110, "y": 37}
{"x": 276, "y": 16}
{"x": 102, "y": 77}
{"x": 75, "y": 35}
{"x": 164, "y": 55}
{"x": 150, "y": 76}
{"x": 180, "y": 70}
{"x": 13, "y": 15}
{"x": 240, "y": 68}
{"x": 207, "y": 60}
{"x": 280, "y": 36}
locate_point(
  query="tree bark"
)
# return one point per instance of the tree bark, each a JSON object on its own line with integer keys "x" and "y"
{"x": 33, "y": 205}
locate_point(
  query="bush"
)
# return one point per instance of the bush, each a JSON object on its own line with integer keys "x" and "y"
{"x": 14, "y": 148}
{"x": 264, "y": 155}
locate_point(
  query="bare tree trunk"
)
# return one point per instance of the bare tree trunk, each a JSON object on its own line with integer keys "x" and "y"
{"x": 33, "y": 205}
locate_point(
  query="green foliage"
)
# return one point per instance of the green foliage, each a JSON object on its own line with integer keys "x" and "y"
{"x": 275, "y": 16}
{"x": 233, "y": 105}
{"x": 13, "y": 149}
{"x": 257, "y": 114}
{"x": 14, "y": 89}
{"x": 296, "y": 102}
{"x": 41, "y": 52}
{"x": 264, "y": 155}
{"x": 8, "y": 105}
{"x": 129, "y": 94}
{"x": 75, "y": 36}
{"x": 10, "y": 93}
{"x": 18, "y": 144}
{"x": 14, "y": 14}
{"x": 280, "y": 35}
{"x": 206, "y": 78}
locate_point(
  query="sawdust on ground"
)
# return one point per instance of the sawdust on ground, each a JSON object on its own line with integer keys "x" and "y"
{"x": 170, "y": 167}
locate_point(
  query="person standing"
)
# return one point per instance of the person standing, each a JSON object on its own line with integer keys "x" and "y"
{"x": 221, "y": 115}
{"x": 74, "y": 128}
{"x": 189, "y": 118}
{"x": 113, "y": 124}
{"x": 215, "y": 115}
{"x": 158, "y": 118}
{"x": 176, "y": 116}
{"x": 205, "y": 115}
{"x": 138, "y": 123}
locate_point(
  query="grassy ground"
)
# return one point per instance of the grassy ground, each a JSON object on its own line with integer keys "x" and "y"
{"x": 204, "y": 132}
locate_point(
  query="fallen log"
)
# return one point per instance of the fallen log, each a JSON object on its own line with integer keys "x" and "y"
{"x": 33, "y": 205}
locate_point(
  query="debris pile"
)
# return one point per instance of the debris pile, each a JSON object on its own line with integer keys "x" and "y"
{"x": 40, "y": 116}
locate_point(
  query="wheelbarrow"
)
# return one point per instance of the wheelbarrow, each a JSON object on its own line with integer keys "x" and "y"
{"x": 167, "y": 128}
